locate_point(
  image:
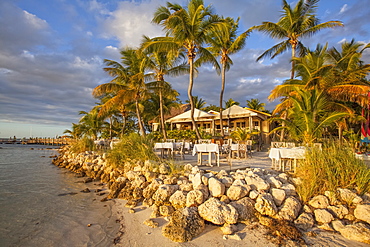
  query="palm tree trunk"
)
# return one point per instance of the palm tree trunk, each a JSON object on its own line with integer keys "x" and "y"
{"x": 162, "y": 114}
{"x": 141, "y": 127}
{"x": 190, "y": 88}
{"x": 293, "y": 63}
{"x": 123, "y": 123}
{"x": 223, "y": 75}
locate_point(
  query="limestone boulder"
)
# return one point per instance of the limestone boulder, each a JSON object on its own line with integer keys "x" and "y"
{"x": 178, "y": 199}
{"x": 305, "y": 221}
{"x": 265, "y": 205}
{"x": 228, "y": 229}
{"x": 194, "y": 198}
{"x": 349, "y": 196}
{"x": 216, "y": 188}
{"x": 279, "y": 196}
{"x": 217, "y": 212}
{"x": 197, "y": 180}
{"x": 164, "y": 192}
{"x": 245, "y": 209}
{"x": 319, "y": 201}
{"x": 290, "y": 189}
{"x": 256, "y": 182}
{"x": 239, "y": 182}
{"x": 290, "y": 209}
{"x": 338, "y": 211}
{"x": 362, "y": 212}
{"x": 323, "y": 216}
{"x": 236, "y": 192}
{"x": 164, "y": 169}
{"x": 166, "y": 210}
{"x": 206, "y": 177}
{"x": 357, "y": 232}
{"x": 184, "y": 225}
{"x": 253, "y": 194}
{"x": 275, "y": 183}
{"x": 227, "y": 181}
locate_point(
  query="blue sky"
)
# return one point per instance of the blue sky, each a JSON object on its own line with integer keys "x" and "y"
{"x": 52, "y": 52}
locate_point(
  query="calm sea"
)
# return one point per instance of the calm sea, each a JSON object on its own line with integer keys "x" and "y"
{"x": 42, "y": 205}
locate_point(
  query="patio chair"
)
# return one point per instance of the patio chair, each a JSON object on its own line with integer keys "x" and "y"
{"x": 179, "y": 149}
{"x": 289, "y": 144}
{"x": 249, "y": 147}
{"x": 277, "y": 144}
{"x": 204, "y": 141}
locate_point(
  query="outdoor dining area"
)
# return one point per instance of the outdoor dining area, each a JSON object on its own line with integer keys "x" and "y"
{"x": 212, "y": 149}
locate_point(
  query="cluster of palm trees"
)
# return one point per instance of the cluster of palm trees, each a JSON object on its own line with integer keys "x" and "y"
{"x": 325, "y": 85}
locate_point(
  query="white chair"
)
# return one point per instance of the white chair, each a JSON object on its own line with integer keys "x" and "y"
{"x": 204, "y": 141}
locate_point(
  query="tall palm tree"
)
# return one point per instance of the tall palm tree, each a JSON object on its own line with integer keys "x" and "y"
{"x": 163, "y": 63}
{"x": 294, "y": 24}
{"x": 186, "y": 31}
{"x": 225, "y": 42}
{"x": 118, "y": 90}
{"x": 255, "y": 104}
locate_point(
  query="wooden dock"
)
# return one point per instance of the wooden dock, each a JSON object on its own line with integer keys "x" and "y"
{"x": 39, "y": 141}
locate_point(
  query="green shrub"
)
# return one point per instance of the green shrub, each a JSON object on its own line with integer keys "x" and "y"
{"x": 181, "y": 134}
{"x": 132, "y": 147}
{"x": 82, "y": 145}
{"x": 334, "y": 167}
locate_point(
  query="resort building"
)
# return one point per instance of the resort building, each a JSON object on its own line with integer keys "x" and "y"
{"x": 233, "y": 118}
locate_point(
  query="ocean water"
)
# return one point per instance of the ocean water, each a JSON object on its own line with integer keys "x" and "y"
{"x": 42, "y": 205}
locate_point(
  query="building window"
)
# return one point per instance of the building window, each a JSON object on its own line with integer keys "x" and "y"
{"x": 256, "y": 124}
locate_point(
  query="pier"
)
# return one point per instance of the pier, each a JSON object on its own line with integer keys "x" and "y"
{"x": 39, "y": 141}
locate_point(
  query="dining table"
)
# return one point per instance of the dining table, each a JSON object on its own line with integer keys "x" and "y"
{"x": 165, "y": 146}
{"x": 282, "y": 157}
{"x": 209, "y": 149}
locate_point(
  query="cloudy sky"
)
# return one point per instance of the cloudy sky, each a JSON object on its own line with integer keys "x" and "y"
{"x": 52, "y": 52}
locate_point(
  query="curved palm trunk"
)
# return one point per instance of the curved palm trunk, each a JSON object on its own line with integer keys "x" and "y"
{"x": 140, "y": 122}
{"x": 123, "y": 122}
{"x": 190, "y": 88}
{"x": 162, "y": 114}
{"x": 223, "y": 75}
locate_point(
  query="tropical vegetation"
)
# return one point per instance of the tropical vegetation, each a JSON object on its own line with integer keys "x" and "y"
{"x": 323, "y": 98}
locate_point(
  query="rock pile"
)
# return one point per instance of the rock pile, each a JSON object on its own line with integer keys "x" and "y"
{"x": 224, "y": 198}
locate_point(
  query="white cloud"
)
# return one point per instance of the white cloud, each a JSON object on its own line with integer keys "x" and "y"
{"x": 343, "y": 9}
{"x": 130, "y": 21}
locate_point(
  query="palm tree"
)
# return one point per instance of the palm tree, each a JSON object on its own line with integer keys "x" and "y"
{"x": 255, "y": 104}
{"x": 293, "y": 25}
{"x": 119, "y": 93}
{"x": 336, "y": 80}
{"x": 163, "y": 63}
{"x": 225, "y": 42}
{"x": 187, "y": 31}
{"x": 309, "y": 115}
{"x": 347, "y": 81}
{"x": 230, "y": 102}
{"x": 198, "y": 103}
{"x": 91, "y": 124}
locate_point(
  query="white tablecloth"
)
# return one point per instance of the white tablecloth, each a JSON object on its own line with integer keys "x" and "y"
{"x": 205, "y": 148}
{"x": 164, "y": 145}
{"x": 287, "y": 153}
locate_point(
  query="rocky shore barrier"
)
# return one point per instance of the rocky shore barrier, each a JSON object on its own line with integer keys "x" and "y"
{"x": 196, "y": 197}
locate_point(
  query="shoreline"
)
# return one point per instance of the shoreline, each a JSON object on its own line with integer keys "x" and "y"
{"x": 132, "y": 212}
